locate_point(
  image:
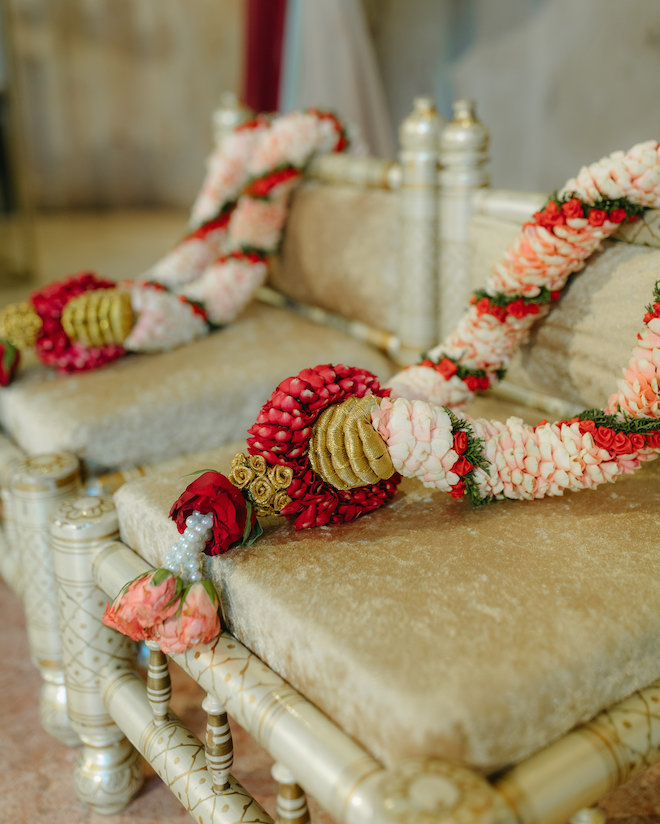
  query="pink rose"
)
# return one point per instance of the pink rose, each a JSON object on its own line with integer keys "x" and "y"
{"x": 148, "y": 600}
{"x": 196, "y": 622}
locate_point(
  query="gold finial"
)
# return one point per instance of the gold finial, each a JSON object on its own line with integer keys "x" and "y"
{"x": 20, "y": 324}
{"x": 99, "y": 317}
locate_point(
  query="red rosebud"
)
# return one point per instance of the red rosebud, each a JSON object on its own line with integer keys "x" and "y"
{"x": 555, "y": 294}
{"x": 472, "y": 382}
{"x": 213, "y": 492}
{"x": 617, "y": 215}
{"x": 587, "y": 426}
{"x": 462, "y": 466}
{"x": 550, "y": 216}
{"x": 637, "y": 441}
{"x": 483, "y": 307}
{"x": 597, "y": 217}
{"x": 621, "y": 444}
{"x": 498, "y": 312}
{"x": 428, "y": 363}
{"x": 604, "y": 437}
{"x": 460, "y": 441}
{"x": 458, "y": 490}
{"x": 572, "y": 208}
{"x": 517, "y": 308}
{"x": 653, "y": 439}
{"x": 484, "y": 384}
{"x": 447, "y": 368}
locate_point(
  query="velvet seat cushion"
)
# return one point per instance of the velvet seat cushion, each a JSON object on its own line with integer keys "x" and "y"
{"x": 145, "y": 408}
{"x": 429, "y": 628}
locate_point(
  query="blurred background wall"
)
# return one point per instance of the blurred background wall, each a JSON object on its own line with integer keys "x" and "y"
{"x": 116, "y": 96}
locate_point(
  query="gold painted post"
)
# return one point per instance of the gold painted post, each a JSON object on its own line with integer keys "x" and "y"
{"x": 219, "y": 743}
{"x": 291, "y": 798}
{"x": 159, "y": 685}
{"x": 38, "y": 485}
{"x": 108, "y": 772}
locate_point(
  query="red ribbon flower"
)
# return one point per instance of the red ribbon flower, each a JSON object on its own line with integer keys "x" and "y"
{"x": 282, "y": 433}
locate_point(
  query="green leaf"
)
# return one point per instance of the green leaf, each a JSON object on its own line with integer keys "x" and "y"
{"x": 248, "y": 521}
{"x": 257, "y": 532}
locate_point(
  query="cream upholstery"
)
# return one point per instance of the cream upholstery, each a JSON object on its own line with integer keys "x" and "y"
{"x": 145, "y": 408}
{"x": 340, "y": 252}
{"x": 428, "y": 628}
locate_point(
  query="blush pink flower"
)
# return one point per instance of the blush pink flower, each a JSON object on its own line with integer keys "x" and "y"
{"x": 196, "y": 622}
{"x": 148, "y": 600}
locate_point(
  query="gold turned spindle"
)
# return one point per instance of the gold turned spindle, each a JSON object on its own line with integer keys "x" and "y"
{"x": 219, "y": 744}
{"x": 159, "y": 686}
{"x": 291, "y": 799}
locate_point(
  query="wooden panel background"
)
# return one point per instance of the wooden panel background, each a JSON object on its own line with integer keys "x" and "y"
{"x": 117, "y": 95}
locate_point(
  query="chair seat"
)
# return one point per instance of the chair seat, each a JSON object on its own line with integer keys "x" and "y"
{"x": 431, "y": 629}
{"x": 145, "y": 408}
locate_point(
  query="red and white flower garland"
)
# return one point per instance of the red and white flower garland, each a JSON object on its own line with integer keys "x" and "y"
{"x": 532, "y": 274}
{"x": 213, "y": 273}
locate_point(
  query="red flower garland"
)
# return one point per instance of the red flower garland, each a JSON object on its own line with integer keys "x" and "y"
{"x": 282, "y": 433}
{"x": 53, "y": 346}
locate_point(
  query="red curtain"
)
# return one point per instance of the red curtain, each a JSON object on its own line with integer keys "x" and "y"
{"x": 262, "y": 62}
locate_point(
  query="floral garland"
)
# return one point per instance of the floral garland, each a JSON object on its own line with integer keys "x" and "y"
{"x": 424, "y": 438}
{"x": 207, "y": 279}
{"x": 532, "y": 275}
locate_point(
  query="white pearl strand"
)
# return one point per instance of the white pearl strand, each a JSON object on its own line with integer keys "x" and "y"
{"x": 184, "y": 559}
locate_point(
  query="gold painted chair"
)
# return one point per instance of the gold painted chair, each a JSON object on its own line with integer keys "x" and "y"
{"x": 426, "y": 663}
{"x": 355, "y": 225}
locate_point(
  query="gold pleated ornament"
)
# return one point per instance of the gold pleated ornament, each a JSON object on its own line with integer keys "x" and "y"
{"x": 345, "y": 449}
{"x": 100, "y": 317}
{"x": 20, "y": 324}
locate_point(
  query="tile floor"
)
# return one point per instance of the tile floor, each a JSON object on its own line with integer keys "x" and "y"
{"x": 36, "y": 783}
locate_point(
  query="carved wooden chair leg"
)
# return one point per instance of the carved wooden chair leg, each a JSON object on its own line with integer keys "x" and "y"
{"x": 108, "y": 772}
{"x": 291, "y": 799}
{"x": 37, "y": 486}
{"x": 219, "y": 743}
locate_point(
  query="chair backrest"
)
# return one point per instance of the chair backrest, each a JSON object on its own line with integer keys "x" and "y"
{"x": 361, "y": 240}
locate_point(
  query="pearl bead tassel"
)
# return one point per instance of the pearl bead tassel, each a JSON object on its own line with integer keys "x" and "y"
{"x": 184, "y": 559}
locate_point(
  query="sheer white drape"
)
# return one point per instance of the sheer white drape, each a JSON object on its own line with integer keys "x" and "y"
{"x": 329, "y": 61}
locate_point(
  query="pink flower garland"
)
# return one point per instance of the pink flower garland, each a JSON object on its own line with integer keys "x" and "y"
{"x": 491, "y": 460}
{"x": 532, "y": 274}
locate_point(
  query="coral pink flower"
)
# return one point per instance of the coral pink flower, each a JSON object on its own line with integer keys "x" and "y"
{"x": 196, "y": 622}
{"x": 152, "y": 598}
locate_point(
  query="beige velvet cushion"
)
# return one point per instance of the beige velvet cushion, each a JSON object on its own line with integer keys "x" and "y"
{"x": 579, "y": 352}
{"x": 340, "y": 252}
{"x": 430, "y": 628}
{"x": 144, "y": 408}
